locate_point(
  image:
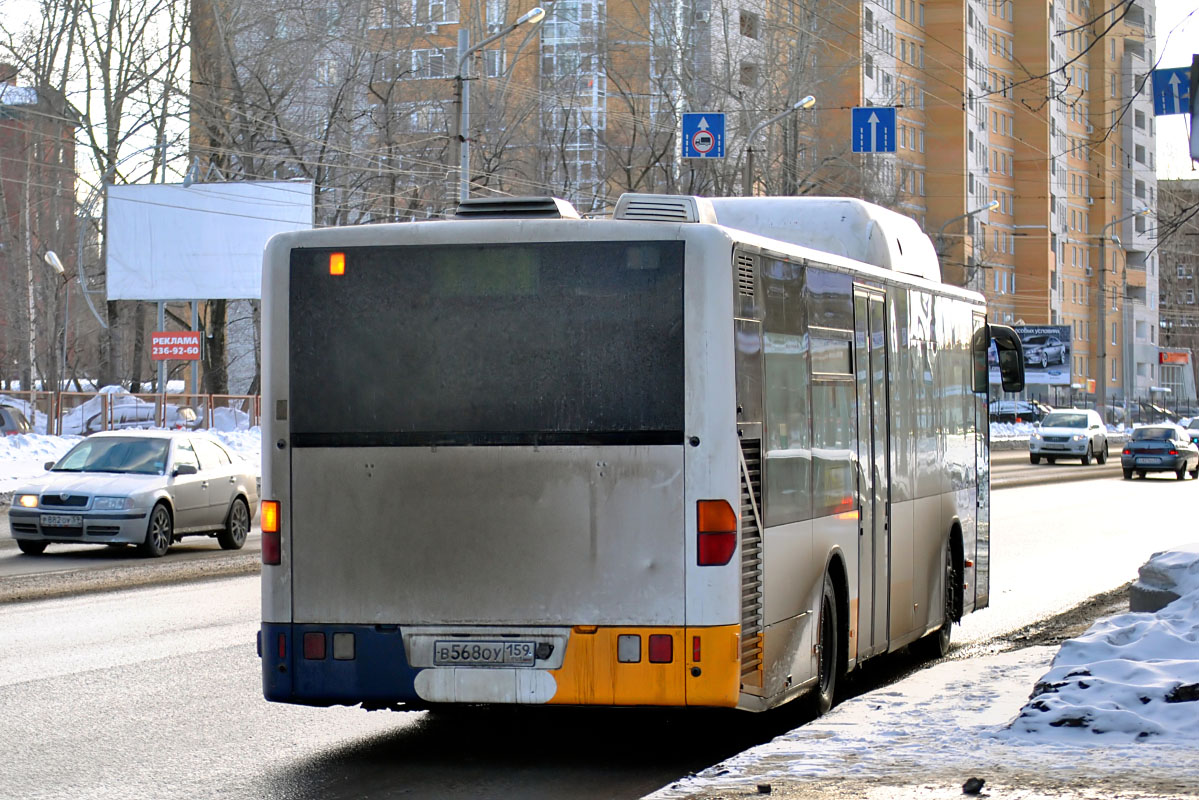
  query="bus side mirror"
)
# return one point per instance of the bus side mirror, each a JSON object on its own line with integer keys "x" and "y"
{"x": 1011, "y": 357}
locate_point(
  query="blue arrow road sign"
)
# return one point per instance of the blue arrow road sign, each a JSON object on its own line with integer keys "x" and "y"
{"x": 703, "y": 135}
{"x": 1172, "y": 91}
{"x": 874, "y": 130}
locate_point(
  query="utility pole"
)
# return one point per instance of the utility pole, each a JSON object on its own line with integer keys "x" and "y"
{"x": 27, "y": 223}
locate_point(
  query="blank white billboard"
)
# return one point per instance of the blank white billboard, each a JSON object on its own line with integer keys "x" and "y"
{"x": 199, "y": 242}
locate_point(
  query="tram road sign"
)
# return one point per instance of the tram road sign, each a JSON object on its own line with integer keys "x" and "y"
{"x": 703, "y": 135}
{"x": 874, "y": 129}
{"x": 1172, "y": 91}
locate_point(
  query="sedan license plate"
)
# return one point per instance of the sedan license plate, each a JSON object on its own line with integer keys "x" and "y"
{"x": 480, "y": 653}
{"x": 61, "y": 520}
{"x": 1149, "y": 460}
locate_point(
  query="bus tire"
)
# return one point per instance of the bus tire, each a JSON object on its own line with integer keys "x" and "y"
{"x": 936, "y": 644}
{"x": 828, "y": 661}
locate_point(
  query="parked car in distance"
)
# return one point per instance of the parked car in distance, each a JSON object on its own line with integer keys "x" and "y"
{"x": 147, "y": 488}
{"x": 1163, "y": 447}
{"x": 13, "y": 422}
{"x": 1069, "y": 433}
{"x": 1043, "y": 349}
{"x": 132, "y": 412}
{"x": 1017, "y": 411}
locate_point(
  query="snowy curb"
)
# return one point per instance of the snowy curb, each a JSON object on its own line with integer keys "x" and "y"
{"x": 1165, "y": 577}
{"x": 24, "y": 588}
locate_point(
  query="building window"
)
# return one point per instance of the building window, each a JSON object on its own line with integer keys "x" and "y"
{"x": 751, "y": 24}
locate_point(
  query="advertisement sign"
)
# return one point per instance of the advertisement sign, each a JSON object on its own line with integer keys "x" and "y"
{"x": 1047, "y": 353}
{"x": 1173, "y": 358}
{"x": 175, "y": 346}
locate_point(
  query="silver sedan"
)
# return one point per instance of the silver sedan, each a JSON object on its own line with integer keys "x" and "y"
{"x": 148, "y": 488}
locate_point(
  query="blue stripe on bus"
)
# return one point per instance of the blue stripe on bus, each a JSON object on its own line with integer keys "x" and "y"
{"x": 379, "y": 674}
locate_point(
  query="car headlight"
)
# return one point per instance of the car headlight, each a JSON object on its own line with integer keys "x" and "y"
{"x": 113, "y": 503}
{"x": 27, "y": 500}
{"x": 1078, "y": 437}
{"x": 1036, "y": 437}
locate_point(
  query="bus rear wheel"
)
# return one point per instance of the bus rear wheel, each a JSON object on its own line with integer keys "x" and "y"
{"x": 828, "y": 649}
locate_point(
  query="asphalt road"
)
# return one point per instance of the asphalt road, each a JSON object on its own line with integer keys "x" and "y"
{"x": 155, "y": 692}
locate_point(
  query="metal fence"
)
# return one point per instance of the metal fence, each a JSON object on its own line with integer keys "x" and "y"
{"x": 83, "y": 413}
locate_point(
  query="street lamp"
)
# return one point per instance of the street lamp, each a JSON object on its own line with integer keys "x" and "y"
{"x": 747, "y": 177}
{"x": 462, "y": 92}
{"x": 941, "y": 231}
{"x": 1101, "y": 356}
{"x": 55, "y": 263}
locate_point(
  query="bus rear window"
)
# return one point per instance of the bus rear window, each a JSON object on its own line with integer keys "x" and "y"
{"x": 539, "y": 343}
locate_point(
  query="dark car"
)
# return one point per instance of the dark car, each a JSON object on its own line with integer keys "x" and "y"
{"x": 13, "y": 422}
{"x": 1160, "y": 448}
{"x": 1043, "y": 349}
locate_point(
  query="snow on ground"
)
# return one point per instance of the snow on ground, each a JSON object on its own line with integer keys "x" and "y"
{"x": 1131, "y": 676}
{"x": 1119, "y": 706}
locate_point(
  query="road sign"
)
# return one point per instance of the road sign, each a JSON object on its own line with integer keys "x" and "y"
{"x": 703, "y": 135}
{"x": 1172, "y": 91}
{"x": 874, "y": 129}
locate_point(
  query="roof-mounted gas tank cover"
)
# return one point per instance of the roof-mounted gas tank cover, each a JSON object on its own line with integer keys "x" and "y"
{"x": 516, "y": 208}
{"x": 664, "y": 208}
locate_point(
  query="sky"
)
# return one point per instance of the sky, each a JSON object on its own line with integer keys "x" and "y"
{"x": 1177, "y": 25}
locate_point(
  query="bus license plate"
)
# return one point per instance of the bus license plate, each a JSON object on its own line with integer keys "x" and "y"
{"x": 477, "y": 653}
{"x": 61, "y": 520}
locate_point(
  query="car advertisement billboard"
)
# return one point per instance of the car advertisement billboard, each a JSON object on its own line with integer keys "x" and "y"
{"x": 1047, "y": 354}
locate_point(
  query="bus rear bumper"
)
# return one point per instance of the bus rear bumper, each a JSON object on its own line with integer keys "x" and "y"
{"x": 336, "y": 665}
{"x": 326, "y": 665}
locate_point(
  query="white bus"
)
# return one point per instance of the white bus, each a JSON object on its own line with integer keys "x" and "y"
{"x": 708, "y": 452}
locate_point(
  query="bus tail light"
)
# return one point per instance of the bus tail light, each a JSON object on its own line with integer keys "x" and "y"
{"x": 661, "y": 648}
{"x": 271, "y": 545}
{"x": 337, "y": 263}
{"x": 717, "y": 532}
{"x": 314, "y": 645}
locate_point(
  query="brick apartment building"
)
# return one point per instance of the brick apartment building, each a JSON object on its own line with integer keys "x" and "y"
{"x": 37, "y": 214}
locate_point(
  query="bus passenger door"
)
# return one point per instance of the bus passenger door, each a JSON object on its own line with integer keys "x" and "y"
{"x": 874, "y": 527}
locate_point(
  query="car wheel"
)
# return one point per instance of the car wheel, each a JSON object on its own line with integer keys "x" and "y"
{"x": 936, "y": 644}
{"x": 828, "y": 663}
{"x": 1034, "y": 458}
{"x": 1101, "y": 456}
{"x": 31, "y": 548}
{"x": 1044, "y": 361}
{"x": 1195, "y": 471}
{"x": 1050, "y": 459}
{"x": 1127, "y": 474}
{"x": 1086, "y": 457}
{"x": 1181, "y": 473}
{"x": 237, "y": 525}
{"x": 158, "y": 533}
{"x": 1141, "y": 474}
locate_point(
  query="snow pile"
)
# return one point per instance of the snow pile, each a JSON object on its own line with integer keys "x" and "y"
{"x": 1131, "y": 676}
{"x": 1175, "y": 570}
{"x": 24, "y": 456}
{"x": 1001, "y": 431}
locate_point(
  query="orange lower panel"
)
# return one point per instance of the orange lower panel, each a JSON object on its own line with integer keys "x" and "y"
{"x": 591, "y": 675}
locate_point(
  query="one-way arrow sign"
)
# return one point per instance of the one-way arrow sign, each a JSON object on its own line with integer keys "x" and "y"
{"x": 874, "y": 129}
{"x": 1172, "y": 91}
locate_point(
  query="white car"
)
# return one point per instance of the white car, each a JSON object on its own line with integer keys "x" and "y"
{"x": 147, "y": 488}
{"x": 1069, "y": 433}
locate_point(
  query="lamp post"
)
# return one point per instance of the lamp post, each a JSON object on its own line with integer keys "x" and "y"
{"x": 462, "y": 92}
{"x": 1101, "y": 355}
{"x": 55, "y": 263}
{"x": 941, "y": 231}
{"x": 747, "y": 177}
